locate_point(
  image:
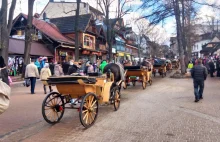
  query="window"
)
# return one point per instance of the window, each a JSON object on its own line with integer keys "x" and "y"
{"x": 88, "y": 41}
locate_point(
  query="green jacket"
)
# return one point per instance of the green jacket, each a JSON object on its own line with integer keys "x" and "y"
{"x": 102, "y": 66}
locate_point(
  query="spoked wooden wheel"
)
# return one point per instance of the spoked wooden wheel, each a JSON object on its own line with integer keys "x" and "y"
{"x": 53, "y": 108}
{"x": 88, "y": 110}
{"x": 116, "y": 98}
{"x": 124, "y": 85}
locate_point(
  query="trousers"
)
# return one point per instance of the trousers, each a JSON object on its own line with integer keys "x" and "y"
{"x": 198, "y": 88}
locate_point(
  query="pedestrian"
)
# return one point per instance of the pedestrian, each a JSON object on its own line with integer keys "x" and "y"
{"x": 32, "y": 73}
{"x": 102, "y": 65}
{"x": 90, "y": 68}
{"x": 218, "y": 67}
{"x": 65, "y": 67}
{"x": 199, "y": 75}
{"x": 3, "y": 71}
{"x": 44, "y": 75}
{"x": 58, "y": 70}
{"x": 51, "y": 66}
{"x": 37, "y": 63}
{"x": 211, "y": 68}
{"x": 190, "y": 65}
{"x": 72, "y": 68}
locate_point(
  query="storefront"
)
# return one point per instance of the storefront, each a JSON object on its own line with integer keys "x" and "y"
{"x": 65, "y": 54}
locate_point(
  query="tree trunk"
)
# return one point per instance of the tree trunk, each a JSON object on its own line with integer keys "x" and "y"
{"x": 77, "y": 32}
{"x": 28, "y": 32}
{"x": 4, "y": 33}
{"x": 179, "y": 35}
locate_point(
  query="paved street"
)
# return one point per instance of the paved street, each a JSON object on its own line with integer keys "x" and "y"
{"x": 164, "y": 111}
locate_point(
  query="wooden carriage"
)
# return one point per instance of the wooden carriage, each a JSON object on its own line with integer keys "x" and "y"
{"x": 161, "y": 69}
{"x": 175, "y": 64}
{"x": 169, "y": 65}
{"x": 137, "y": 74}
{"x": 89, "y": 92}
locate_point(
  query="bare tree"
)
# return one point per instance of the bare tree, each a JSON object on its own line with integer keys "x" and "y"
{"x": 28, "y": 32}
{"x": 5, "y": 27}
{"x": 160, "y": 10}
{"x": 121, "y": 10}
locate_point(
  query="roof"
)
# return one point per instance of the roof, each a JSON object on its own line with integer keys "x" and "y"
{"x": 67, "y": 24}
{"x": 92, "y": 9}
{"x": 65, "y": 9}
{"x": 16, "y": 46}
{"x": 50, "y": 30}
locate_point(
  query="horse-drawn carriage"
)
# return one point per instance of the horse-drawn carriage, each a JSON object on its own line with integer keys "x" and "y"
{"x": 88, "y": 91}
{"x": 175, "y": 64}
{"x": 169, "y": 65}
{"x": 159, "y": 67}
{"x": 137, "y": 73}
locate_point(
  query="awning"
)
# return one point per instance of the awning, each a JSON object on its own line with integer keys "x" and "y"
{"x": 16, "y": 46}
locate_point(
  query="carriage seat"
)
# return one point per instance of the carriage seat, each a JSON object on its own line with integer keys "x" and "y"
{"x": 71, "y": 80}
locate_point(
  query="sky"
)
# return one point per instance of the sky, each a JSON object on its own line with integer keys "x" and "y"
{"x": 167, "y": 29}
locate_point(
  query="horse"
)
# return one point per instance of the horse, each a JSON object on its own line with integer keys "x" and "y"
{"x": 118, "y": 72}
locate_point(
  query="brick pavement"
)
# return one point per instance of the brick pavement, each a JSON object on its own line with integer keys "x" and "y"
{"x": 164, "y": 111}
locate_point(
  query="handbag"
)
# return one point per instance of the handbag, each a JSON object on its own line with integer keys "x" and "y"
{"x": 27, "y": 82}
{"x": 5, "y": 92}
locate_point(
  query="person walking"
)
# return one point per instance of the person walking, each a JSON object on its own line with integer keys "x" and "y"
{"x": 51, "y": 66}
{"x": 211, "y": 68}
{"x": 3, "y": 71}
{"x": 37, "y": 63}
{"x": 44, "y": 75}
{"x": 218, "y": 67}
{"x": 199, "y": 75}
{"x": 32, "y": 73}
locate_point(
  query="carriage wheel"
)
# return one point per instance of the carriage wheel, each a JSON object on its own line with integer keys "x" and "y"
{"x": 53, "y": 108}
{"x": 88, "y": 110}
{"x": 117, "y": 99}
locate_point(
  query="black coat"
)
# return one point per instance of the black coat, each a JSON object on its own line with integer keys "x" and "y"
{"x": 65, "y": 67}
{"x": 72, "y": 69}
{"x": 51, "y": 66}
{"x": 211, "y": 66}
{"x": 4, "y": 76}
{"x": 199, "y": 73}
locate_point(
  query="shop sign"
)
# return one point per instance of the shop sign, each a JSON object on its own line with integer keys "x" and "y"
{"x": 63, "y": 53}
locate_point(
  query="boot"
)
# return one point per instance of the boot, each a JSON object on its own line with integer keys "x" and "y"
{"x": 45, "y": 90}
{"x": 51, "y": 90}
